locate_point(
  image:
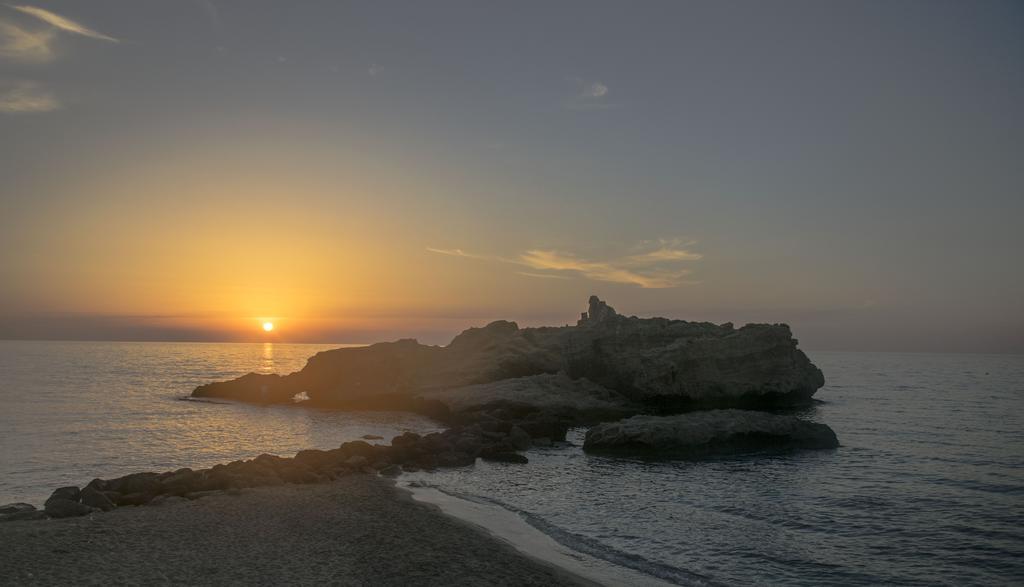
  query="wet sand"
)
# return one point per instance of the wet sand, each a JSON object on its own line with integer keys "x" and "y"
{"x": 358, "y": 530}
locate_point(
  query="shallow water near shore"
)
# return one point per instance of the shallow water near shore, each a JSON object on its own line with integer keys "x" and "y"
{"x": 927, "y": 487}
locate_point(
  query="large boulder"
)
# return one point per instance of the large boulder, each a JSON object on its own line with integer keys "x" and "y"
{"x": 675, "y": 364}
{"x": 57, "y": 507}
{"x": 708, "y": 433}
{"x": 94, "y": 498}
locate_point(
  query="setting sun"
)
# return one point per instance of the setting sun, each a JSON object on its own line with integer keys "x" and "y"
{"x": 268, "y": 326}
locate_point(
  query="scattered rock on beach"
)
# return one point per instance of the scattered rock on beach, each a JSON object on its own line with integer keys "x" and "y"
{"x": 26, "y": 515}
{"x": 14, "y": 508}
{"x": 504, "y": 457}
{"x": 94, "y": 498}
{"x": 71, "y": 493}
{"x": 65, "y": 508}
{"x": 14, "y": 512}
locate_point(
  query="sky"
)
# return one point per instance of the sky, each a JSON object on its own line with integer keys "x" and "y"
{"x": 363, "y": 171}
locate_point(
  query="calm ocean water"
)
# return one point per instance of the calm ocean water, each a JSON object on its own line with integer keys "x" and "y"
{"x": 927, "y": 488}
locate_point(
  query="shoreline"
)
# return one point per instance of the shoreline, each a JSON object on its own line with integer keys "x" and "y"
{"x": 507, "y": 526}
{"x": 356, "y": 530}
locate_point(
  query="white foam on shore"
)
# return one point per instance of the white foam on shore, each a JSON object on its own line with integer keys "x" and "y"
{"x": 513, "y": 529}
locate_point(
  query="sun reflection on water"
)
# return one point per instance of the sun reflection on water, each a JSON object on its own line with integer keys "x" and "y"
{"x": 267, "y": 359}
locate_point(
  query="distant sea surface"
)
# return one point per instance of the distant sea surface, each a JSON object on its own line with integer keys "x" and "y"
{"x": 926, "y": 489}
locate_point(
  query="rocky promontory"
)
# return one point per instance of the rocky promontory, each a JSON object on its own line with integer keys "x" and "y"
{"x": 607, "y": 365}
{"x": 706, "y": 433}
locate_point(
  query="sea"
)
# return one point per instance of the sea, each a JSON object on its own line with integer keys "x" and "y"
{"x": 927, "y": 487}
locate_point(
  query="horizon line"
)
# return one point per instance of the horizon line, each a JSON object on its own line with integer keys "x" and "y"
{"x": 361, "y": 344}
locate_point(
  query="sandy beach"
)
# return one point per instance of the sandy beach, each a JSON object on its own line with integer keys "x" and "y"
{"x": 357, "y": 530}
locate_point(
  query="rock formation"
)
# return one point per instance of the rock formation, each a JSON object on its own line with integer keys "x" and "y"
{"x": 653, "y": 363}
{"x": 707, "y": 433}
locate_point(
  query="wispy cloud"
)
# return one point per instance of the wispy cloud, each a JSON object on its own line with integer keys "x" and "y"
{"x": 588, "y": 95}
{"x": 20, "y": 44}
{"x": 595, "y": 90}
{"x": 25, "y": 98}
{"x": 374, "y": 70}
{"x": 62, "y": 23}
{"x": 656, "y": 264}
{"x": 543, "y": 275}
{"x": 459, "y": 253}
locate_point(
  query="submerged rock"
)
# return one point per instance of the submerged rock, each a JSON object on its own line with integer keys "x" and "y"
{"x": 707, "y": 433}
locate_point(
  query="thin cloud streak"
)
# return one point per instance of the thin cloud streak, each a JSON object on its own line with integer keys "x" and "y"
{"x": 20, "y": 44}
{"x": 62, "y": 23}
{"x": 542, "y": 275}
{"x": 458, "y": 253}
{"x": 26, "y": 98}
{"x": 656, "y": 268}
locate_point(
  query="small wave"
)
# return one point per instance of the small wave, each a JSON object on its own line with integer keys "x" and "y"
{"x": 201, "y": 400}
{"x": 591, "y": 546}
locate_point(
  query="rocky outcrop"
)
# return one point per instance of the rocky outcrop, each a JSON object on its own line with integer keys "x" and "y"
{"x": 490, "y": 439}
{"x": 655, "y": 363}
{"x": 708, "y": 433}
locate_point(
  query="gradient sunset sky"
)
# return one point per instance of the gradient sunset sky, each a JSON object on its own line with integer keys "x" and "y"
{"x": 361, "y": 171}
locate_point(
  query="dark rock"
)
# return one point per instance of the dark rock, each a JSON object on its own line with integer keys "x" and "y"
{"x": 167, "y": 500}
{"x": 147, "y": 483}
{"x": 372, "y": 437}
{"x": 14, "y": 508}
{"x": 132, "y": 499}
{"x": 99, "y": 484}
{"x": 71, "y": 493}
{"x": 59, "y": 507}
{"x": 434, "y": 443}
{"x": 455, "y": 459}
{"x": 518, "y": 438}
{"x": 470, "y": 445}
{"x": 406, "y": 439}
{"x": 299, "y": 475}
{"x": 181, "y": 482}
{"x": 317, "y": 459}
{"x": 391, "y": 471}
{"x": 504, "y": 457}
{"x": 359, "y": 448}
{"x": 201, "y": 494}
{"x": 356, "y": 461}
{"x": 427, "y": 462}
{"x": 23, "y": 516}
{"x": 708, "y": 432}
{"x": 96, "y": 499}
